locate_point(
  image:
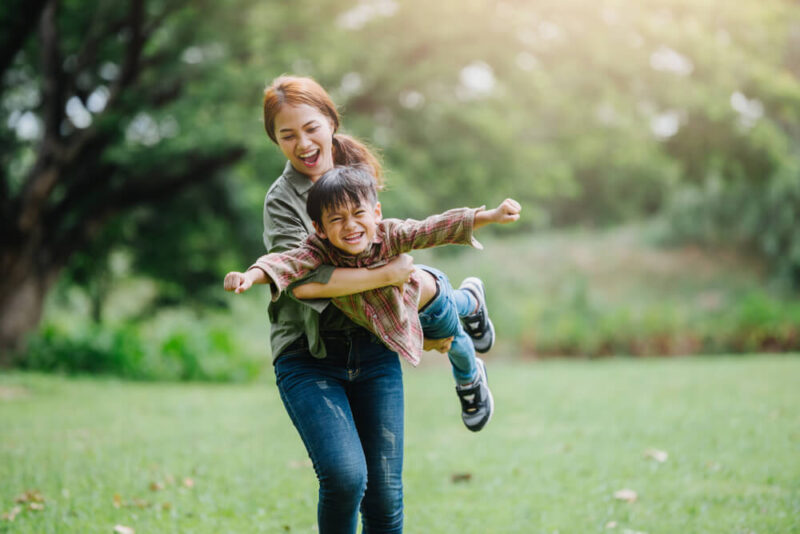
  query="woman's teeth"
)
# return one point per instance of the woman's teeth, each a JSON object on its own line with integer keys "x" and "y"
{"x": 310, "y": 157}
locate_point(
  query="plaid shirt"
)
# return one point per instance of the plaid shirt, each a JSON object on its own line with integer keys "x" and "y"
{"x": 388, "y": 312}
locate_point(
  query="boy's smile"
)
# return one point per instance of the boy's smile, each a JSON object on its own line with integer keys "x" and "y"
{"x": 350, "y": 227}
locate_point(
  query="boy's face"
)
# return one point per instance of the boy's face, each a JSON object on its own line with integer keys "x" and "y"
{"x": 350, "y": 228}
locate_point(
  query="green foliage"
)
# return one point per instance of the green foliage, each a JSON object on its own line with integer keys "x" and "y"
{"x": 757, "y": 212}
{"x": 623, "y": 291}
{"x": 129, "y": 350}
{"x": 587, "y": 114}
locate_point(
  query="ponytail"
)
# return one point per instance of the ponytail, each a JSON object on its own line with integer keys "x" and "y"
{"x": 348, "y": 150}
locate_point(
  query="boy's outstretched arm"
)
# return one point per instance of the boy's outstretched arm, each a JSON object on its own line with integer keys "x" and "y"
{"x": 508, "y": 211}
{"x": 241, "y": 282}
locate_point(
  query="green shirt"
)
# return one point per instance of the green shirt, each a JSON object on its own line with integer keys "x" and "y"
{"x": 286, "y": 225}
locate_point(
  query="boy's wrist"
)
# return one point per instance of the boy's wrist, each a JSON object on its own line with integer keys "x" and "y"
{"x": 254, "y": 274}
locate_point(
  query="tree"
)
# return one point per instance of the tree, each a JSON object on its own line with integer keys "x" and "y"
{"x": 101, "y": 128}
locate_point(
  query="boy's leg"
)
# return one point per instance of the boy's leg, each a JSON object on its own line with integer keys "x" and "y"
{"x": 439, "y": 319}
{"x": 471, "y": 300}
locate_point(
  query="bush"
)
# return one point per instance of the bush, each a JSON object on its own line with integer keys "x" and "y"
{"x": 126, "y": 350}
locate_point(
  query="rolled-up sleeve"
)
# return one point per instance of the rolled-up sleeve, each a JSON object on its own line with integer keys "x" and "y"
{"x": 284, "y": 230}
{"x": 454, "y": 227}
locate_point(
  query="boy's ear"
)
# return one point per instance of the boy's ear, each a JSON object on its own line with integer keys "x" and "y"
{"x": 378, "y": 214}
{"x": 319, "y": 230}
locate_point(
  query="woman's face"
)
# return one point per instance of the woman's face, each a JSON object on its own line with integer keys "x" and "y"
{"x": 305, "y": 136}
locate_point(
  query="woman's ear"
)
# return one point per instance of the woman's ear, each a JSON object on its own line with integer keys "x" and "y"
{"x": 319, "y": 230}
{"x": 378, "y": 214}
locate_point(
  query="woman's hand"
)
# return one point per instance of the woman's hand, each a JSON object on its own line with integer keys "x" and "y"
{"x": 237, "y": 282}
{"x": 399, "y": 270}
{"x": 440, "y": 345}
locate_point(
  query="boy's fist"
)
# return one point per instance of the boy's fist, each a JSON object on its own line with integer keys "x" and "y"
{"x": 507, "y": 211}
{"x": 238, "y": 282}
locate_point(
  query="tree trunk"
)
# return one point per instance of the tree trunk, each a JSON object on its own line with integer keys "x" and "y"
{"x": 22, "y": 294}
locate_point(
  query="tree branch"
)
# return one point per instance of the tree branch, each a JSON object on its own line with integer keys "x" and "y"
{"x": 136, "y": 37}
{"x": 18, "y": 20}
{"x": 136, "y": 191}
{"x": 53, "y": 96}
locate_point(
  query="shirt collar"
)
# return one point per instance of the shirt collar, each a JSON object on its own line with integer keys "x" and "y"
{"x": 300, "y": 182}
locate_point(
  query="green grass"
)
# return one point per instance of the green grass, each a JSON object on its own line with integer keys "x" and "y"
{"x": 566, "y": 435}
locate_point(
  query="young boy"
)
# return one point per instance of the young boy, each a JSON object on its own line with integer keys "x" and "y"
{"x": 346, "y": 214}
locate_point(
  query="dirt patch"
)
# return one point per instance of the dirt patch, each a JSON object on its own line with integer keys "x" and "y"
{"x": 9, "y": 393}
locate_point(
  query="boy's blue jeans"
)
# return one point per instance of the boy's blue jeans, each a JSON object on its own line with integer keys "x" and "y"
{"x": 348, "y": 409}
{"x": 440, "y": 319}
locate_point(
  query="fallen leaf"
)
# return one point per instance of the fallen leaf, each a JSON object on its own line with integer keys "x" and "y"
{"x": 139, "y": 503}
{"x": 166, "y": 506}
{"x": 657, "y": 455}
{"x": 156, "y": 486}
{"x": 30, "y": 496}
{"x": 188, "y": 482}
{"x": 611, "y": 524}
{"x": 12, "y": 514}
{"x": 35, "y": 506}
{"x": 460, "y": 477}
{"x": 627, "y": 495}
{"x": 122, "y": 529}
{"x": 117, "y": 500}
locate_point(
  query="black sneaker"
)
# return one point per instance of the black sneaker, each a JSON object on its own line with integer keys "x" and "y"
{"x": 476, "y": 399}
{"x": 478, "y": 325}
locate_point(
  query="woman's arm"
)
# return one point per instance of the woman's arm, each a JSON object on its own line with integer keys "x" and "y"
{"x": 347, "y": 281}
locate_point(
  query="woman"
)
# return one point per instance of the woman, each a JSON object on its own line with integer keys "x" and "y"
{"x": 342, "y": 388}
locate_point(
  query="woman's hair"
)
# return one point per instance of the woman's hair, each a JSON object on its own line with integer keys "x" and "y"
{"x": 339, "y": 187}
{"x": 296, "y": 90}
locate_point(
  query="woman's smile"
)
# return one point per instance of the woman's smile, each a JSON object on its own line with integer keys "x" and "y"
{"x": 305, "y": 136}
{"x": 310, "y": 157}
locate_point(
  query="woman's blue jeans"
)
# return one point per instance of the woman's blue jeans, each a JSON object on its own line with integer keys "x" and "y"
{"x": 348, "y": 409}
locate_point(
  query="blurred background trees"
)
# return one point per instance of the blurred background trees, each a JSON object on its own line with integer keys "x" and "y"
{"x": 132, "y": 145}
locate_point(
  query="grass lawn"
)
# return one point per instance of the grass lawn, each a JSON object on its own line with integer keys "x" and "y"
{"x": 565, "y": 437}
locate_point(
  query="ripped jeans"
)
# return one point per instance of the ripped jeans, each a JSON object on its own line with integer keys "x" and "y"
{"x": 348, "y": 409}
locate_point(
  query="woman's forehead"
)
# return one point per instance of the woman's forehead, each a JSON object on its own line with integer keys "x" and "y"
{"x": 293, "y": 116}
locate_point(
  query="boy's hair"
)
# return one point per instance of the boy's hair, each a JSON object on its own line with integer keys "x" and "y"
{"x": 338, "y": 187}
